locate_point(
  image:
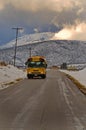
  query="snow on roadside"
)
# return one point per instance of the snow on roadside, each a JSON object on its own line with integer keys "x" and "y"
{"x": 9, "y": 74}
{"x": 79, "y": 75}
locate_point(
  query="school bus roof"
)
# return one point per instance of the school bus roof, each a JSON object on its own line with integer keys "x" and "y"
{"x": 37, "y": 58}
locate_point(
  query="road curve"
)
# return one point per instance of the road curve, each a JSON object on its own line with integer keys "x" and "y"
{"x": 54, "y": 103}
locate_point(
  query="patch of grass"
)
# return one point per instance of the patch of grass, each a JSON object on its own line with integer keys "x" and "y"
{"x": 19, "y": 79}
{"x": 77, "y": 83}
{"x": 10, "y": 83}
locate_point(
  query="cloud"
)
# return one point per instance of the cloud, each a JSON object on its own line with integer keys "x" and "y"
{"x": 36, "y": 30}
{"x": 36, "y": 5}
{"x": 75, "y": 32}
{"x": 40, "y": 14}
{"x": 58, "y": 11}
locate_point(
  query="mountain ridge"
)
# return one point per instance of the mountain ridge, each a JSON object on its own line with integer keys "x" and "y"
{"x": 56, "y": 52}
{"x": 29, "y": 39}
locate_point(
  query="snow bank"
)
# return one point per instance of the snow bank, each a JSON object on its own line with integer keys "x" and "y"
{"x": 9, "y": 74}
{"x": 79, "y": 75}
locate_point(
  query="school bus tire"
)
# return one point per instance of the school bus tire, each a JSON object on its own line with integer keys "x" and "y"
{"x": 43, "y": 76}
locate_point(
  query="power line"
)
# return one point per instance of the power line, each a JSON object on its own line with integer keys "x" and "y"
{"x": 17, "y": 29}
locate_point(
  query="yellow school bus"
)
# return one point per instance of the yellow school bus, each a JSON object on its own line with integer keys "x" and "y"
{"x": 36, "y": 66}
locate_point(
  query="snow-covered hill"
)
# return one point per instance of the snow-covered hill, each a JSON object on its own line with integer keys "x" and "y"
{"x": 28, "y": 39}
{"x": 56, "y": 52}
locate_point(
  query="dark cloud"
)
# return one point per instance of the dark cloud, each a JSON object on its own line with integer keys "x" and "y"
{"x": 49, "y": 15}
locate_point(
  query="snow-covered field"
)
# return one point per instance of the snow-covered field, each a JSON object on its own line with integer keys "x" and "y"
{"x": 79, "y": 75}
{"x": 9, "y": 75}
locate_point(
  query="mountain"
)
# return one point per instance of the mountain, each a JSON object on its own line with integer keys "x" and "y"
{"x": 29, "y": 38}
{"x": 56, "y": 52}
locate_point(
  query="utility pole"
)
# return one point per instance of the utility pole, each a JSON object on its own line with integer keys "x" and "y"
{"x": 17, "y": 29}
{"x": 30, "y": 51}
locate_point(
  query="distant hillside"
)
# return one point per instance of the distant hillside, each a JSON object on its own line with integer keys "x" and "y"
{"x": 56, "y": 52}
{"x": 29, "y": 39}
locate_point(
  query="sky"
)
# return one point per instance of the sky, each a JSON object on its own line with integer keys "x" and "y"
{"x": 67, "y": 18}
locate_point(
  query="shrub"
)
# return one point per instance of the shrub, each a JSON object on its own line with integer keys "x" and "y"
{"x": 2, "y": 63}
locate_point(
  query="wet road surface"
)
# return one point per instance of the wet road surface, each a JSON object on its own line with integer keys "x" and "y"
{"x": 54, "y": 103}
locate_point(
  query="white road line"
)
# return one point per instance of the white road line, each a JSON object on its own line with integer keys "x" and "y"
{"x": 78, "y": 124}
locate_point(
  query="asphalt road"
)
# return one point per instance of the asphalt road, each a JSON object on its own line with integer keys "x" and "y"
{"x": 54, "y": 103}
